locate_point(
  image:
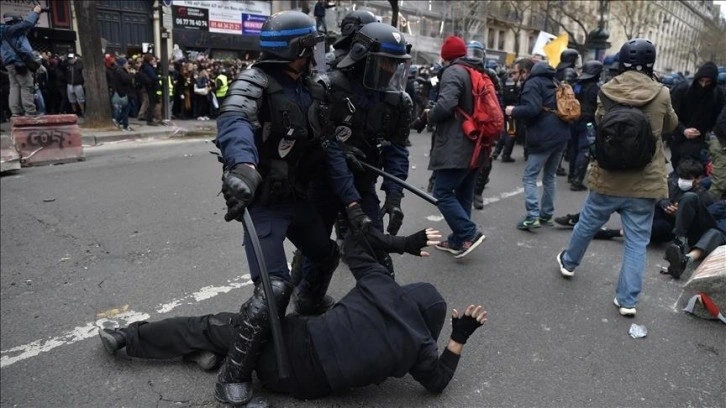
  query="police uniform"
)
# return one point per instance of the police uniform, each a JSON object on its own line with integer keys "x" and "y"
{"x": 264, "y": 122}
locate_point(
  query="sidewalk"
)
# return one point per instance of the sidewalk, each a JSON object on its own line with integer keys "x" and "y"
{"x": 175, "y": 129}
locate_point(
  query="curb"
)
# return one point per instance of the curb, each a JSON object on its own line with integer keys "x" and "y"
{"x": 94, "y": 138}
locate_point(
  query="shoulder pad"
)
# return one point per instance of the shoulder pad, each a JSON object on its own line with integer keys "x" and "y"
{"x": 319, "y": 86}
{"x": 338, "y": 79}
{"x": 255, "y": 76}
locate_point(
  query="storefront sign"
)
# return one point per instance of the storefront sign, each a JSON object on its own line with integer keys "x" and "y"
{"x": 190, "y": 18}
{"x": 221, "y": 16}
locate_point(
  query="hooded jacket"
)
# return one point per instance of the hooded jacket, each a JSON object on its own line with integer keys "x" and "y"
{"x": 698, "y": 108}
{"x": 451, "y": 149}
{"x": 636, "y": 89}
{"x": 545, "y": 131}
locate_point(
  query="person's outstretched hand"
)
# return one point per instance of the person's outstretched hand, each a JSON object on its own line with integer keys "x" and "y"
{"x": 463, "y": 327}
{"x": 416, "y": 242}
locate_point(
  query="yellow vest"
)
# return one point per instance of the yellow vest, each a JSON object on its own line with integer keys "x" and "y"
{"x": 221, "y": 92}
{"x": 171, "y": 87}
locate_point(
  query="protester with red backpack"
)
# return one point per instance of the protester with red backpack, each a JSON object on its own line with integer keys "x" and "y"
{"x": 465, "y": 128}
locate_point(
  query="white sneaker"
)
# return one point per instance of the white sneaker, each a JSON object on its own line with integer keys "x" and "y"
{"x": 564, "y": 271}
{"x": 624, "y": 311}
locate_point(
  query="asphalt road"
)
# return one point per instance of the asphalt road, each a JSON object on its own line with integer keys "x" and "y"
{"x": 137, "y": 232}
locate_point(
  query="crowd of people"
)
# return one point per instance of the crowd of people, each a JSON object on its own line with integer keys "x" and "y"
{"x": 301, "y": 156}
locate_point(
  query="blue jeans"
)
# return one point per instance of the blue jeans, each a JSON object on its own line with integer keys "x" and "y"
{"x": 636, "y": 215}
{"x": 536, "y": 162}
{"x": 121, "y": 114}
{"x": 454, "y": 188}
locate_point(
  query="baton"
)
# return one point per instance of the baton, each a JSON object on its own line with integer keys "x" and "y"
{"x": 276, "y": 329}
{"x": 407, "y": 186}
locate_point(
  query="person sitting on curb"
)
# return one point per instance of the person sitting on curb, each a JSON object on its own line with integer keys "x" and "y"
{"x": 378, "y": 317}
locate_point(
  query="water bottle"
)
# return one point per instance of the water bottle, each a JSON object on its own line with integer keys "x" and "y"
{"x": 591, "y": 138}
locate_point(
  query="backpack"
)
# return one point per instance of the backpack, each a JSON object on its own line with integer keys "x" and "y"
{"x": 624, "y": 139}
{"x": 568, "y": 107}
{"x": 486, "y": 120}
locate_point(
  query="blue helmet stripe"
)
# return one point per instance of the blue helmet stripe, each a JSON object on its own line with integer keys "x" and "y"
{"x": 401, "y": 48}
{"x": 273, "y": 44}
{"x": 285, "y": 33}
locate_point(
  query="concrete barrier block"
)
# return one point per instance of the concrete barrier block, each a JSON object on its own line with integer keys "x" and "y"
{"x": 47, "y": 139}
{"x": 709, "y": 278}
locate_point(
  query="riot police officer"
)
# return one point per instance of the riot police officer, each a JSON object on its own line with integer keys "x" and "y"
{"x": 351, "y": 24}
{"x": 586, "y": 90}
{"x": 271, "y": 156}
{"x": 565, "y": 70}
{"x": 370, "y": 113}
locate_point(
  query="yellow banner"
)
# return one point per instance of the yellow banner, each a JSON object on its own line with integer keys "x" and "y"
{"x": 554, "y": 48}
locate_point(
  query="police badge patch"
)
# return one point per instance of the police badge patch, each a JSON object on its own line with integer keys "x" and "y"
{"x": 342, "y": 133}
{"x": 284, "y": 147}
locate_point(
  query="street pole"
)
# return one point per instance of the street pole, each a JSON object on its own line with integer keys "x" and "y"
{"x": 165, "y": 106}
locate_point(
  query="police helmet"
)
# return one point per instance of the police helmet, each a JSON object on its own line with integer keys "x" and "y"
{"x": 475, "y": 50}
{"x": 412, "y": 71}
{"x": 491, "y": 64}
{"x": 568, "y": 59}
{"x": 668, "y": 81}
{"x": 12, "y": 17}
{"x": 721, "y": 78}
{"x": 385, "y": 52}
{"x": 351, "y": 24}
{"x": 591, "y": 69}
{"x": 637, "y": 54}
{"x": 286, "y": 36}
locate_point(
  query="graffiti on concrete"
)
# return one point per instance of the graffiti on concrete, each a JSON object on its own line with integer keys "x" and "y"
{"x": 48, "y": 137}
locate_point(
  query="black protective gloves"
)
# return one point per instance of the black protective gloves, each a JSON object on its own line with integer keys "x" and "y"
{"x": 462, "y": 327}
{"x": 238, "y": 187}
{"x": 392, "y": 207}
{"x": 353, "y": 157}
{"x": 357, "y": 219}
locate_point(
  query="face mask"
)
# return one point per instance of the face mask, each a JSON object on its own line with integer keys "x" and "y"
{"x": 684, "y": 184}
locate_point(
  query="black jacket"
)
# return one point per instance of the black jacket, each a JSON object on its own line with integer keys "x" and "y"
{"x": 123, "y": 83}
{"x": 378, "y": 330}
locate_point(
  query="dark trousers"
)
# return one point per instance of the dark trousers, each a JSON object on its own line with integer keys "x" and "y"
{"x": 299, "y": 222}
{"x": 150, "y": 110}
{"x": 662, "y": 229}
{"x": 177, "y": 336}
{"x": 692, "y": 218}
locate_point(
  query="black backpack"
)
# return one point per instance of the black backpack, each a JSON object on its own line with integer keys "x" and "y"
{"x": 624, "y": 138}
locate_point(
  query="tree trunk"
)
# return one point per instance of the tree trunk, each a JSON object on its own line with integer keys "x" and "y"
{"x": 394, "y": 12}
{"x": 98, "y": 107}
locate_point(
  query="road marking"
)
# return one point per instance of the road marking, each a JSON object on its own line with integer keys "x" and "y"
{"x": 121, "y": 316}
{"x": 487, "y": 201}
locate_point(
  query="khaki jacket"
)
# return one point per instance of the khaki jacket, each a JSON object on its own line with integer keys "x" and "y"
{"x": 635, "y": 89}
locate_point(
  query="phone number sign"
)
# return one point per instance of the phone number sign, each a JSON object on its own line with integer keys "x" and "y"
{"x": 252, "y": 23}
{"x": 190, "y": 18}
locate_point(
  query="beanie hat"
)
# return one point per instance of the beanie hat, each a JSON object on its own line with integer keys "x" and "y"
{"x": 453, "y": 48}
{"x": 121, "y": 61}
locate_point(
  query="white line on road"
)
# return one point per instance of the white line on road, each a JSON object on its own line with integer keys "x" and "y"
{"x": 90, "y": 329}
{"x": 487, "y": 201}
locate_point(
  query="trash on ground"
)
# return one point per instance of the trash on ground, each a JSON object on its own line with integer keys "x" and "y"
{"x": 638, "y": 330}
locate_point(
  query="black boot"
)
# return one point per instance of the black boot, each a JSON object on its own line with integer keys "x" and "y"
{"x": 482, "y": 179}
{"x": 113, "y": 339}
{"x": 234, "y": 381}
{"x": 309, "y": 297}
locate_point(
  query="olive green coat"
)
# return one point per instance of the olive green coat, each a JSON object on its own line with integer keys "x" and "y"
{"x": 636, "y": 89}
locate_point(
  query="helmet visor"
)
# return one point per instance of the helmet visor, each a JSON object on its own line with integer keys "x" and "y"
{"x": 475, "y": 53}
{"x": 383, "y": 73}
